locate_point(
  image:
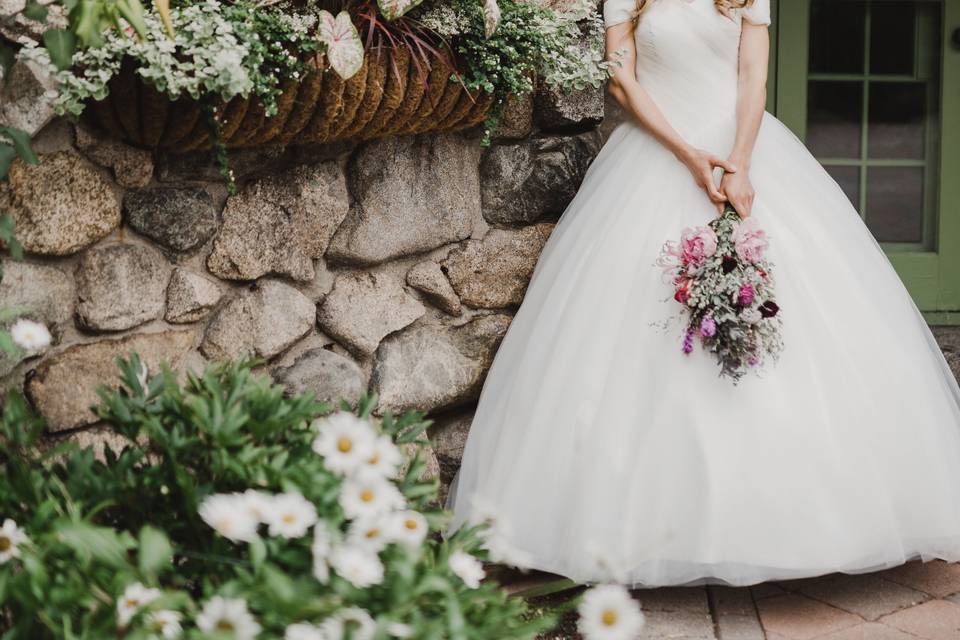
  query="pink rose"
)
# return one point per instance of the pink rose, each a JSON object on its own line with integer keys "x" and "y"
{"x": 697, "y": 244}
{"x": 749, "y": 241}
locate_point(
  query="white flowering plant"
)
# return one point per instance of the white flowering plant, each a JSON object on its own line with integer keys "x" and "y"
{"x": 233, "y": 511}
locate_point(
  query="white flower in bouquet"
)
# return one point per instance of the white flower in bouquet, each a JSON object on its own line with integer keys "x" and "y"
{"x": 607, "y": 612}
{"x": 134, "y": 596}
{"x": 372, "y": 532}
{"x": 751, "y": 316}
{"x": 228, "y": 515}
{"x": 369, "y": 494}
{"x": 30, "y": 335}
{"x": 165, "y": 623}
{"x": 11, "y": 537}
{"x": 321, "y": 549}
{"x": 228, "y": 615}
{"x": 304, "y": 631}
{"x": 290, "y": 515}
{"x": 386, "y": 456}
{"x": 358, "y": 566}
{"x": 258, "y": 503}
{"x": 408, "y": 528}
{"x": 345, "y": 441}
{"x": 353, "y": 619}
{"x": 467, "y": 568}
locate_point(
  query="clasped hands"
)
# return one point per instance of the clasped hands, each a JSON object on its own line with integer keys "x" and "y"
{"x": 735, "y": 186}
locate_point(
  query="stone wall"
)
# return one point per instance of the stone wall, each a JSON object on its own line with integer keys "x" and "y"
{"x": 393, "y": 267}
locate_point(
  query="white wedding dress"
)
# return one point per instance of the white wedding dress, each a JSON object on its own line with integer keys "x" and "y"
{"x": 604, "y": 453}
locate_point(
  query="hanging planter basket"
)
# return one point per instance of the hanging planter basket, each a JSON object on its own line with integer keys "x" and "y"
{"x": 390, "y": 95}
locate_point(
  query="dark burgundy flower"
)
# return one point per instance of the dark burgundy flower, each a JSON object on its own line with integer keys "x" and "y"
{"x": 769, "y": 309}
{"x": 728, "y": 264}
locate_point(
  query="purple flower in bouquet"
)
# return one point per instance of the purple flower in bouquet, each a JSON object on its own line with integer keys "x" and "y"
{"x": 688, "y": 342}
{"x": 708, "y": 327}
{"x": 746, "y": 295}
{"x": 749, "y": 241}
{"x": 697, "y": 244}
{"x": 753, "y": 361}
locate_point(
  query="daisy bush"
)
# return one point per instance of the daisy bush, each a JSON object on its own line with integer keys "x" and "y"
{"x": 234, "y": 512}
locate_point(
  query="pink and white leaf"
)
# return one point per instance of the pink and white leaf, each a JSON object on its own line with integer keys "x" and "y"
{"x": 344, "y": 47}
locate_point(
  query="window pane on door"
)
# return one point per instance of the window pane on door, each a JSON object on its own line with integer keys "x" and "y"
{"x": 834, "y": 114}
{"x": 836, "y": 36}
{"x": 898, "y": 115}
{"x": 849, "y": 180}
{"x": 895, "y": 203}
{"x": 892, "y": 34}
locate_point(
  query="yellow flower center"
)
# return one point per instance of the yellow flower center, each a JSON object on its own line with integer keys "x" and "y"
{"x": 367, "y": 495}
{"x": 224, "y": 625}
{"x": 609, "y": 617}
{"x": 373, "y": 533}
{"x": 289, "y": 518}
{"x": 344, "y": 444}
{"x": 411, "y": 524}
{"x": 375, "y": 458}
{"x": 5, "y": 543}
{"x": 132, "y": 602}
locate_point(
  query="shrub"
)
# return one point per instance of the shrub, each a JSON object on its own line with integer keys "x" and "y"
{"x": 233, "y": 511}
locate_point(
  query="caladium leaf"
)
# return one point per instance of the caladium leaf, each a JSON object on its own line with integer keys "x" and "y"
{"x": 393, "y": 9}
{"x": 344, "y": 47}
{"x": 491, "y": 16}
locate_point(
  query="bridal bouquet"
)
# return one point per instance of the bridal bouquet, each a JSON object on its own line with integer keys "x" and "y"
{"x": 721, "y": 277}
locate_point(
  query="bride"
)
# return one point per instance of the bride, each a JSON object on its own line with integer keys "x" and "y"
{"x": 603, "y": 453}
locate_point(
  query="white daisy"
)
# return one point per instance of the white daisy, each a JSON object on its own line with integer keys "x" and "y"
{"x": 400, "y": 630}
{"x": 304, "y": 631}
{"x": 229, "y": 516}
{"x": 345, "y": 441}
{"x": 164, "y": 624}
{"x": 290, "y": 515}
{"x": 358, "y": 622}
{"x": 367, "y": 494}
{"x": 408, "y": 528}
{"x": 258, "y": 503}
{"x": 386, "y": 457}
{"x": 30, "y": 335}
{"x": 134, "y": 596}
{"x": 372, "y": 533}
{"x": 228, "y": 615}
{"x": 467, "y": 568}
{"x": 320, "y": 549}
{"x": 11, "y": 537}
{"x": 607, "y": 612}
{"x": 358, "y": 566}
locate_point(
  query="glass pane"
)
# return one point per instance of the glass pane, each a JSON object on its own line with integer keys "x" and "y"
{"x": 833, "y": 118}
{"x": 895, "y": 203}
{"x": 836, "y": 36}
{"x": 892, "y": 31}
{"x": 849, "y": 180}
{"x": 897, "y": 120}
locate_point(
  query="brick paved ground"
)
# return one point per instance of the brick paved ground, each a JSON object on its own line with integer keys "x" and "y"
{"x": 915, "y": 601}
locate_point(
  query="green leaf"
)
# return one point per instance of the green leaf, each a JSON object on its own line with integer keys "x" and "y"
{"x": 35, "y": 11}
{"x": 99, "y": 543}
{"x": 7, "y": 155}
{"x": 60, "y": 44}
{"x": 155, "y": 551}
{"x": 7, "y": 58}
{"x": 21, "y": 144}
{"x": 393, "y": 9}
{"x": 258, "y": 553}
{"x": 132, "y": 11}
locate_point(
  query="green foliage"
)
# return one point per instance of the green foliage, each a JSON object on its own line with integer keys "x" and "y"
{"x": 98, "y": 526}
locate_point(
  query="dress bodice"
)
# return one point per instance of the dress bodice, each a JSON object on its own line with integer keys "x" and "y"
{"x": 687, "y": 54}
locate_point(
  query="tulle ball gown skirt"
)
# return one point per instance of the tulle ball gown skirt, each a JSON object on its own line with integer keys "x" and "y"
{"x": 603, "y": 453}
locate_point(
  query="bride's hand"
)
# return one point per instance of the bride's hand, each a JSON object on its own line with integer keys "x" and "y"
{"x": 701, "y": 164}
{"x": 736, "y": 188}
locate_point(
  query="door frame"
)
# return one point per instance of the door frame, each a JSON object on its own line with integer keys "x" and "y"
{"x": 932, "y": 277}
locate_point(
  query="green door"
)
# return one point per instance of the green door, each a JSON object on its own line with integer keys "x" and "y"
{"x": 873, "y": 89}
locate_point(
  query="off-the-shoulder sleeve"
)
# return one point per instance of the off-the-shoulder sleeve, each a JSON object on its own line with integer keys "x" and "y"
{"x": 617, "y": 11}
{"x": 758, "y": 12}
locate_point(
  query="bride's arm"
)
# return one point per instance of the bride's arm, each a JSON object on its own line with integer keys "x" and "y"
{"x": 623, "y": 86}
{"x": 751, "y": 98}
